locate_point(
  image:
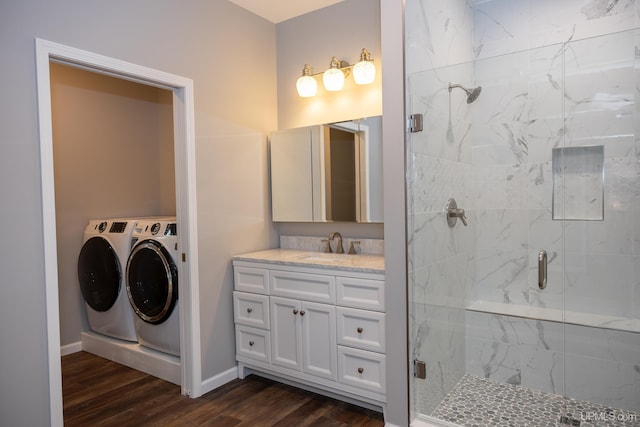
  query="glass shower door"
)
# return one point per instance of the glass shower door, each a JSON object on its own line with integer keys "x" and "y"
{"x": 545, "y": 164}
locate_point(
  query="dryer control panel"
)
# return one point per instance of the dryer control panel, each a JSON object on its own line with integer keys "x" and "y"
{"x": 118, "y": 227}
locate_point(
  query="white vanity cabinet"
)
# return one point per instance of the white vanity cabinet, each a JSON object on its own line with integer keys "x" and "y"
{"x": 316, "y": 326}
{"x": 303, "y": 337}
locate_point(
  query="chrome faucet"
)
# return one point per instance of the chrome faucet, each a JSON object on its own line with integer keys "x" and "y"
{"x": 339, "y": 248}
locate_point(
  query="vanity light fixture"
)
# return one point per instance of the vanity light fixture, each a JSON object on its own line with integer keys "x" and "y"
{"x": 364, "y": 72}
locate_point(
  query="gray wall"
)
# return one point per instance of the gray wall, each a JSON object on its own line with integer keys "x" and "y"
{"x": 340, "y": 30}
{"x": 113, "y": 157}
{"x": 235, "y": 109}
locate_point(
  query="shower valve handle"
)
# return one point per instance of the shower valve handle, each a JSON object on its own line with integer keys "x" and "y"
{"x": 453, "y": 213}
{"x": 459, "y": 213}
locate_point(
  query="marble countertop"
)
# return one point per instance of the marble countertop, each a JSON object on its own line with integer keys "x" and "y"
{"x": 361, "y": 262}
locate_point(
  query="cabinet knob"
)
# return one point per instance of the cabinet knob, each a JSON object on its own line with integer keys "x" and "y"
{"x": 302, "y": 313}
{"x": 249, "y": 310}
{"x": 360, "y": 370}
{"x": 295, "y": 311}
{"x": 360, "y": 330}
{"x": 251, "y": 343}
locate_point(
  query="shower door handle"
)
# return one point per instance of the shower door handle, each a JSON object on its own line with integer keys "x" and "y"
{"x": 542, "y": 269}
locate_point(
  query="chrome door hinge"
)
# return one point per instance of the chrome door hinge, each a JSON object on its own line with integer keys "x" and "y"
{"x": 414, "y": 123}
{"x": 419, "y": 369}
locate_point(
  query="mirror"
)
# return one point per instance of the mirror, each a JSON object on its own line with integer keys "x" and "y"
{"x": 328, "y": 173}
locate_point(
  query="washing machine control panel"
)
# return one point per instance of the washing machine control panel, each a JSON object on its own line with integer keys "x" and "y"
{"x": 118, "y": 227}
{"x": 159, "y": 229}
{"x": 102, "y": 226}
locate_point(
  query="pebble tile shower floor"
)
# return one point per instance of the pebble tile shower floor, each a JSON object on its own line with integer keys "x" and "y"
{"x": 479, "y": 402}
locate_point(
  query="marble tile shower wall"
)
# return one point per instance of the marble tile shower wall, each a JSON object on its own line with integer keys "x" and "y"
{"x": 552, "y": 73}
{"x": 594, "y": 364}
{"x": 512, "y": 147}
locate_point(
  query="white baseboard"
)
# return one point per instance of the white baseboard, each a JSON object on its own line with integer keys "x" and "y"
{"x": 71, "y": 348}
{"x": 219, "y": 380}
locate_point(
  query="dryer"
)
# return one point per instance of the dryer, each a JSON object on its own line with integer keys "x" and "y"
{"x": 152, "y": 284}
{"x": 101, "y": 267}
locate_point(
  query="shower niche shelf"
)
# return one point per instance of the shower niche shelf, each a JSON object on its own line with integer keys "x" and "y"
{"x": 578, "y": 183}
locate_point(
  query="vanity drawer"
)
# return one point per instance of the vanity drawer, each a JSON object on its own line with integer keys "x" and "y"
{"x": 253, "y": 343}
{"x": 361, "y": 329}
{"x": 304, "y": 286}
{"x": 251, "y": 309}
{"x": 360, "y": 293}
{"x": 249, "y": 279}
{"x": 362, "y": 369}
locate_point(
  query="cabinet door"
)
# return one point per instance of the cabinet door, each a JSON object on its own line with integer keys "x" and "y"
{"x": 292, "y": 178}
{"x": 286, "y": 334}
{"x": 319, "y": 350}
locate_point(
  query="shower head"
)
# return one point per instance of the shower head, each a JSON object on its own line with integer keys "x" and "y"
{"x": 472, "y": 94}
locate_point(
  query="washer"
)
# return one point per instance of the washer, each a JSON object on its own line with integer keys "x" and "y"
{"x": 101, "y": 267}
{"x": 152, "y": 284}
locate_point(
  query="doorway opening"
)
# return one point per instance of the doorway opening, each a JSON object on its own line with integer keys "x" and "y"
{"x": 185, "y": 189}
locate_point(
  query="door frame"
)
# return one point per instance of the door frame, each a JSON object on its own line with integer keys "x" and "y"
{"x": 185, "y": 164}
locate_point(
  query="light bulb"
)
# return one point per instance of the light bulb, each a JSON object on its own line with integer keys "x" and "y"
{"x": 306, "y": 85}
{"x": 333, "y": 78}
{"x": 364, "y": 72}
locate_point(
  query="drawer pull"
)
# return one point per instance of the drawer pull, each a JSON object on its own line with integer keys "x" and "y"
{"x": 249, "y": 310}
{"x": 251, "y": 343}
{"x": 360, "y": 370}
{"x": 360, "y": 330}
{"x": 302, "y": 313}
{"x": 295, "y": 311}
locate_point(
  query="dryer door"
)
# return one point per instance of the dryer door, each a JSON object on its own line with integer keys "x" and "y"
{"x": 99, "y": 274}
{"x": 152, "y": 281}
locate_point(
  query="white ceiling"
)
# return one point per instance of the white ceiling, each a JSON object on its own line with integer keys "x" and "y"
{"x": 281, "y": 10}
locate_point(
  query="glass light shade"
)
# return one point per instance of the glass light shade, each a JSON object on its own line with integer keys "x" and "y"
{"x": 333, "y": 79}
{"x": 307, "y": 86}
{"x": 364, "y": 72}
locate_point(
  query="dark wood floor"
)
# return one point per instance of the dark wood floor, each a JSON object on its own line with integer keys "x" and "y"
{"x": 98, "y": 392}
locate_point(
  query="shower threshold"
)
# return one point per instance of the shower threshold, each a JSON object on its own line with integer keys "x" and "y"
{"x": 481, "y": 402}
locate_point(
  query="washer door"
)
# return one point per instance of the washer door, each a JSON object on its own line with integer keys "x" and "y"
{"x": 99, "y": 274}
{"x": 152, "y": 281}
